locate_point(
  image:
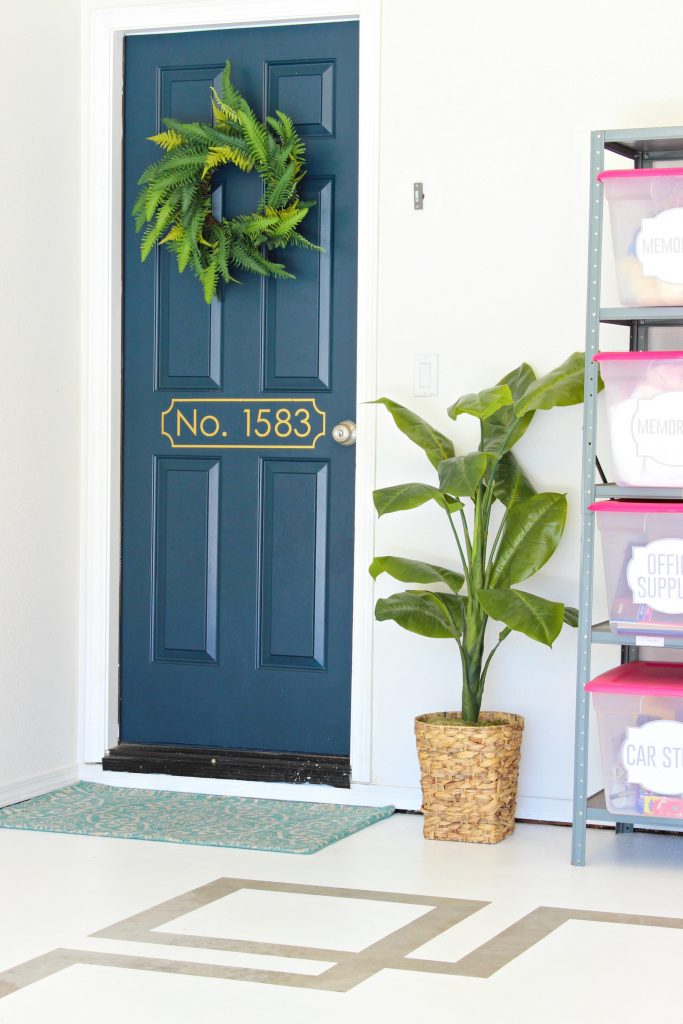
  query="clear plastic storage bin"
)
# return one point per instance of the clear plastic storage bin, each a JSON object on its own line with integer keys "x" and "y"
{"x": 640, "y": 720}
{"x": 644, "y": 393}
{"x": 646, "y": 215}
{"x": 642, "y": 544}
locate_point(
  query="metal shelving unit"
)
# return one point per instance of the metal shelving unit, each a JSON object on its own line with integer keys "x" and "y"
{"x": 644, "y": 146}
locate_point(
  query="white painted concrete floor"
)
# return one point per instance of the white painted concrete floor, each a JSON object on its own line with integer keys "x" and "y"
{"x": 58, "y": 890}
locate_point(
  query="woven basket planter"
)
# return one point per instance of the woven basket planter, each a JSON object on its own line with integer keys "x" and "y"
{"x": 469, "y": 776}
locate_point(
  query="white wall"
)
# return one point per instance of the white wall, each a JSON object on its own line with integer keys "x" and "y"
{"x": 39, "y": 274}
{"x": 491, "y": 107}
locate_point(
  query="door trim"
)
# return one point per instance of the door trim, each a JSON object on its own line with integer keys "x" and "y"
{"x": 103, "y": 31}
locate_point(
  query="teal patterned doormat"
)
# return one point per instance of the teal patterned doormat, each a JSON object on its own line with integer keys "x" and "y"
{"x": 244, "y": 823}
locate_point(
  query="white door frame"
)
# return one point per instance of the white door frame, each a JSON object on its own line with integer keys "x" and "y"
{"x": 103, "y": 31}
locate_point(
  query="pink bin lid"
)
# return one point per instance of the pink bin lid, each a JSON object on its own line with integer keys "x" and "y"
{"x": 654, "y": 678}
{"x": 629, "y": 357}
{"x": 646, "y": 507}
{"x": 641, "y": 172}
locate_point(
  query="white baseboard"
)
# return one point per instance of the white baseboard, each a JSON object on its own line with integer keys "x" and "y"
{"x": 37, "y": 785}
{"x": 360, "y": 794}
{"x": 544, "y": 808}
{"x": 404, "y": 798}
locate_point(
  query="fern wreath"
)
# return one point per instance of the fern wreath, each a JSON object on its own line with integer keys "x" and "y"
{"x": 175, "y": 195}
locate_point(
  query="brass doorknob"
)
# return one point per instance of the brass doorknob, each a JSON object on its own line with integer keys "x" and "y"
{"x": 345, "y": 432}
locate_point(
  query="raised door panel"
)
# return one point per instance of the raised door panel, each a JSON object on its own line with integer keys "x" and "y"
{"x": 186, "y": 550}
{"x": 188, "y": 332}
{"x": 293, "y": 543}
{"x": 306, "y": 90}
{"x": 298, "y": 325}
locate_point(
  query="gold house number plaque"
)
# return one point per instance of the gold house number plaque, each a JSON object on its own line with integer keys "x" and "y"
{"x": 243, "y": 423}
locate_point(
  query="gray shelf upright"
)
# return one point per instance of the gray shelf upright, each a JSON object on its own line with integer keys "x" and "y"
{"x": 644, "y": 146}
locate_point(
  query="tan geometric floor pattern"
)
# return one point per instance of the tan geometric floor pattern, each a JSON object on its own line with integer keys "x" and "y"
{"x": 346, "y": 968}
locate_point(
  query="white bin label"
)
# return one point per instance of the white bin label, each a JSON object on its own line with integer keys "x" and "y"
{"x": 652, "y": 755}
{"x": 659, "y": 246}
{"x": 657, "y": 428}
{"x": 655, "y": 575}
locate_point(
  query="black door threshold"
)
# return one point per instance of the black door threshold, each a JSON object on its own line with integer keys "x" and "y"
{"x": 249, "y": 765}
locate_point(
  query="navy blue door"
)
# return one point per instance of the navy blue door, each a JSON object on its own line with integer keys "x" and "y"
{"x": 237, "y": 562}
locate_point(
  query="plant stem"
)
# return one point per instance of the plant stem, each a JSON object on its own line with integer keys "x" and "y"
{"x": 472, "y": 653}
{"x": 492, "y": 553}
{"x": 465, "y": 561}
{"x": 504, "y": 633}
{"x": 475, "y": 618}
{"x": 470, "y": 706}
{"x": 465, "y": 530}
{"x": 488, "y": 503}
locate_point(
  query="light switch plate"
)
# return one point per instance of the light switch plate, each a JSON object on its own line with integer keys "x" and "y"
{"x": 425, "y": 374}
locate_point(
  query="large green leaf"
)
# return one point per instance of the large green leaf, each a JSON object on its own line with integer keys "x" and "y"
{"x": 407, "y": 570}
{"x": 531, "y": 532}
{"x": 562, "y": 386}
{"x": 483, "y": 403}
{"x": 455, "y": 607}
{"x": 571, "y": 616}
{"x": 510, "y": 483}
{"x": 534, "y": 616}
{"x": 463, "y": 473}
{"x": 419, "y": 611}
{"x": 435, "y": 444}
{"x": 504, "y": 428}
{"x": 402, "y": 497}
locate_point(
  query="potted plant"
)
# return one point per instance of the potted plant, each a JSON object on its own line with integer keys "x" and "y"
{"x": 469, "y": 760}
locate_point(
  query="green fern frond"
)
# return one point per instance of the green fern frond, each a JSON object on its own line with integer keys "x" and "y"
{"x": 167, "y": 140}
{"x": 209, "y": 279}
{"x": 223, "y": 252}
{"x": 183, "y": 250}
{"x": 276, "y": 126}
{"x": 219, "y": 155}
{"x": 282, "y": 126}
{"x": 229, "y": 94}
{"x": 302, "y": 243}
{"x": 194, "y": 224}
{"x": 175, "y": 201}
{"x": 253, "y": 225}
{"x": 289, "y": 136}
{"x": 252, "y": 259}
{"x": 249, "y": 259}
{"x": 281, "y": 192}
{"x": 154, "y": 199}
{"x": 224, "y": 113}
{"x": 288, "y": 217}
{"x": 196, "y": 261}
{"x": 178, "y": 163}
{"x": 174, "y": 235}
{"x": 189, "y": 195}
{"x": 139, "y": 211}
{"x": 154, "y": 232}
{"x": 220, "y": 117}
{"x": 149, "y": 173}
{"x": 222, "y": 255}
{"x": 255, "y": 135}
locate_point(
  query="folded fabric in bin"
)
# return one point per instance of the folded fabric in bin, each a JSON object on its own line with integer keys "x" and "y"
{"x": 646, "y": 217}
{"x": 644, "y": 392}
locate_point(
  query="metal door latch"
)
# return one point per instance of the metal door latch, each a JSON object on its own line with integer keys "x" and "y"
{"x": 345, "y": 432}
{"x": 418, "y": 196}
